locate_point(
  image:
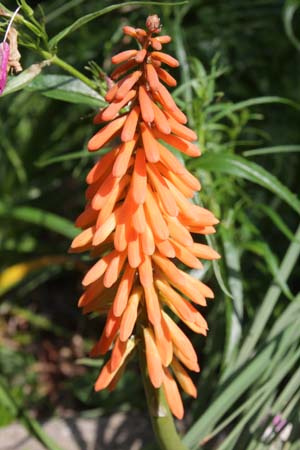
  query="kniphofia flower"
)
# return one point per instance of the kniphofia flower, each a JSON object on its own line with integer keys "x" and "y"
{"x": 139, "y": 224}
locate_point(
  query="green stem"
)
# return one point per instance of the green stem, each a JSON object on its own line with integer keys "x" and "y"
{"x": 68, "y": 68}
{"x": 160, "y": 415}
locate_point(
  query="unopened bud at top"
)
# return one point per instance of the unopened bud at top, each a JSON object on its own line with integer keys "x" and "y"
{"x": 153, "y": 24}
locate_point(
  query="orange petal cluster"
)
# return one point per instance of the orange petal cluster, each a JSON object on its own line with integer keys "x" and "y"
{"x": 139, "y": 223}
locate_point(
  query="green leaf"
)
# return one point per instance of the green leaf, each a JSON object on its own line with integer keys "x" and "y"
{"x": 277, "y": 220}
{"x": 39, "y": 217}
{"x": 20, "y": 81}
{"x": 232, "y": 390}
{"x": 289, "y": 12}
{"x": 216, "y": 268}
{"x": 269, "y": 387}
{"x": 272, "y": 150}
{"x": 263, "y": 250}
{"x": 89, "y": 362}
{"x": 288, "y": 392}
{"x": 56, "y": 159}
{"x": 240, "y": 167}
{"x": 92, "y": 16}
{"x": 34, "y": 428}
{"x": 236, "y": 309}
{"x": 67, "y": 89}
{"x": 270, "y": 300}
{"x": 69, "y": 156}
{"x": 232, "y": 107}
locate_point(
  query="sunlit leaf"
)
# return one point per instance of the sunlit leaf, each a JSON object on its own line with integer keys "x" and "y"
{"x": 241, "y": 167}
{"x": 16, "y": 83}
{"x": 67, "y": 89}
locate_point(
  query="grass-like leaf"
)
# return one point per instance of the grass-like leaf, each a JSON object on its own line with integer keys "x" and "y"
{"x": 290, "y": 9}
{"x": 240, "y": 167}
{"x": 67, "y": 89}
{"x": 31, "y": 424}
{"x": 41, "y": 218}
{"x": 94, "y": 15}
{"x": 272, "y": 150}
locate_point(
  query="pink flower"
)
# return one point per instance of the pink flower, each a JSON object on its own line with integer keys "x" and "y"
{"x": 4, "y": 55}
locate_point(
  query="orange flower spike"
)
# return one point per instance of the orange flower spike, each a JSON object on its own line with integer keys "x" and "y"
{"x": 176, "y": 180}
{"x": 163, "y": 39}
{"x": 154, "y": 365}
{"x": 122, "y": 160}
{"x": 83, "y": 239}
{"x": 123, "y": 292}
{"x": 98, "y": 269}
{"x": 146, "y": 105}
{"x": 90, "y": 293}
{"x": 165, "y": 58}
{"x": 110, "y": 205}
{"x": 166, "y": 97}
{"x": 180, "y": 340}
{"x": 110, "y": 95}
{"x": 105, "y": 135}
{"x": 108, "y": 335}
{"x": 163, "y": 342}
{"x": 134, "y": 250}
{"x": 184, "y": 379}
{"x": 86, "y": 218}
{"x": 122, "y": 69}
{"x": 107, "y": 374}
{"x": 146, "y": 272}
{"x": 155, "y": 44}
{"x": 114, "y": 269}
{"x": 105, "y": 190}
{"x": 140, "y": 56}
{"x": 130, "y": 124}
{"x": 138, "y": 220}
{"x": 139, "y": 216}
{"x": 166, "y": 77}
{"x": 181, "y": 130}
{"x": 106, "y": 228}
{"x": 165, "y": 248}
{"x": 123, "y": 56}
{"x": 179, "y": 232}
{"x": 130, "y": 31}
{"x": 126, "y": 84}
{"x": 139, "y": 178}
{"x": 152, "y": 304}
{"x": 204, "y": 251}
{"x": 130, "y": 314}
{"x": 152, "y": 77}
{"x": 147, "y": 241}
{"x": 160, "y": 120}
{"x": 171, "y": 297}
{"x": 150, "y": 144}
{"x": 184, "y": 255}
{"x": 173, "y": 395}
{"x": 117, "y": 354}
{"x": 112, "y": 110}
{"x": 102, "y": 166}
{"x": 155, "y": 217}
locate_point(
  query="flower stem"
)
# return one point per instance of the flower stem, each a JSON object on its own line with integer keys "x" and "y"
{"x": 68, "y": 68}
{"x": 160, "y": 415}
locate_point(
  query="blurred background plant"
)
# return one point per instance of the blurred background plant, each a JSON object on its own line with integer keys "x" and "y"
{"x": 239, "y": 85}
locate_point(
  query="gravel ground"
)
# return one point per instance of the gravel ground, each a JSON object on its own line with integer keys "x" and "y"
{"x": 118, "y": 432}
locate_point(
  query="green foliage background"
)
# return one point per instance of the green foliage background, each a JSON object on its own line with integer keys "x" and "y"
{"x": 239, "y": 85}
